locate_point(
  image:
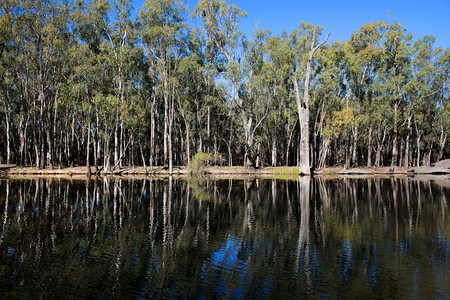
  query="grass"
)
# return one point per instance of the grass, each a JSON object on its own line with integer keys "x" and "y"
{"x": 283, "y": 170}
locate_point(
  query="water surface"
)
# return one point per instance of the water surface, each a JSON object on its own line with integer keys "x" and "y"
{"x": 259, "y": 238}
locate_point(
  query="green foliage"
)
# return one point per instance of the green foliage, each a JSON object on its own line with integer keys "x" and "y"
{"x": 199, "y": 162}
{"x": 339, "y": 122}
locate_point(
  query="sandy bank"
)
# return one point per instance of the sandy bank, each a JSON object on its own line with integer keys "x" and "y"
{"x": 441, "y": 168}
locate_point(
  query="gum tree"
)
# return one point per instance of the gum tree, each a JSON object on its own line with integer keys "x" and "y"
{"x": 304, "y": 45}
{"x": 241, "y": 62}
{"x": 164, "y": 33}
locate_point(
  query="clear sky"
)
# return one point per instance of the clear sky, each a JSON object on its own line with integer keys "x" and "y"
{"x": 342, "y": 17}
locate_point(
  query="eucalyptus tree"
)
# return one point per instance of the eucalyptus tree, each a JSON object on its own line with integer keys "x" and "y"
{"x": 8, "y": 86}
{"x": 240, "y": 60}
{"x": 205, "y": 96}
{"x": 364, "y": 59}
{"x": 426, "y": 96}
{"x": 16, "y": 92}
{"x": 304, "y": 45}
{"x": 328, "y": 101}
{"x": 121, "y": 38}
{"x": 40, "y": 44}
{"x": 164, "y": 34}
{"x": 395, "y": 77}
{"x": 443, "y": 64}
{"x": 282, "y": 120}
{"x": 200, "y": 103}
{"x": 57, "y": 40}
{"x": 88, "y": 83}
{"x": 192, "y": 84}
{"x": 103, "y": 83}
{"x": 258, "y": 89}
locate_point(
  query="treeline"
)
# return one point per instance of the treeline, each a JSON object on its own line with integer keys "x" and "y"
{"x": 85, "y": 84}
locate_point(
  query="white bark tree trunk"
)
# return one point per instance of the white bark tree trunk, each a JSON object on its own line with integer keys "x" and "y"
{"x": 303, "y": 109}
{"x": 274, "y": 152}
{"x": 8, "y": 139}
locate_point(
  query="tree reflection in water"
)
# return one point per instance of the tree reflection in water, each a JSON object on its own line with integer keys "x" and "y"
{"x": 116, "y": 238}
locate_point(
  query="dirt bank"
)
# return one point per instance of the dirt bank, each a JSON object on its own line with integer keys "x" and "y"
{"x": 442, "y": 167}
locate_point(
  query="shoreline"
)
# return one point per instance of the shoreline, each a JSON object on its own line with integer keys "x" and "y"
{"x": 440, "y": 168}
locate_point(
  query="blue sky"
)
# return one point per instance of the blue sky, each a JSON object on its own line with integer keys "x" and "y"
{"x": 342, "y": 17}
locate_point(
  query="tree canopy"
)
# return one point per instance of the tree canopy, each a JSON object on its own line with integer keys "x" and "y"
{"x": 81, "y": 83}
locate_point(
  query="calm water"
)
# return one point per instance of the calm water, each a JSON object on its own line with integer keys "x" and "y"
{"x": 314, "y": 238}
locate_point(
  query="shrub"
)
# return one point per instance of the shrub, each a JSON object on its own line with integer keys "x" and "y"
{"x": 199, "y": 162}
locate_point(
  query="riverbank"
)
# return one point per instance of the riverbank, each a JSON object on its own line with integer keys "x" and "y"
{"x": 442, "y": 167}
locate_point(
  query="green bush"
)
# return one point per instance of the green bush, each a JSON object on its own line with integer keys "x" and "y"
{"x": 199, "y": 162}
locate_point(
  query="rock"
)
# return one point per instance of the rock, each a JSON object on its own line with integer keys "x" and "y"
{"x": 443, "y": 164}
{"x": 441, "y": 167}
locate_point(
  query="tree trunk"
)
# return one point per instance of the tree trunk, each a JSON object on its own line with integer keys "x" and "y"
{"x": 36, "y": 150}
{"x": 132, "y": 151}
{"x": 215, "y": 150}
{"x": 188, "y": 149}
{"x": 208, "y": 129}
{"x": 418, "y": 145}
{"x": 288, "y": 147}
{"x": 394, "y": 162}
{"x": 166, "y": 122}
{"x": 318, "y": 136}
{"x": 97, "y": 143}
{"x": 116, "y": 144}
{"x": 347, "y": 153}
{"x": 442, "y": 143}
{"x": 355, "y": 147}
{"x": 121, "y": 145}
{"x": 143, "y": 158}
{"x": 152, "y": 132}
{"x": 289, "y": 141}
{"x": 274, "y": 151}
{"x": 169, "y": 148}
{"x": 408, "y": 135}
{"x": 88, "y": 166}
{"x": 258, "y": 160}
{"x": 379, "y": 147}
{"x": 303, "y": 116}
{"x": 106, "y": 154}
{"x": 22, "y": 139}
{"x": 41, "y": 128}
{"x": 427, "y": 155}
{"x": 54, "y": 143}
{"x": 60, "y": 148}
{"x": 94, "y": 144}
{"x": 369, "y": 147}
{"x": 230, "y": 157}
{"x": 323, "y": 153}
{"x": 378, "y": 156}
{"x": 50, "y": 147}
{"x": 249, "y": 157}
{"x": 72, "y": 139}
{"x": 400, "y": 154}
{"x": 303, "y": 109}
{"x": 170, "y": 124}
{"x": 8, "y": 138}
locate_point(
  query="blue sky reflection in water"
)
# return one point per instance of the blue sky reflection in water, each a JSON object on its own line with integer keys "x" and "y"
{"x": 377, "y": 237}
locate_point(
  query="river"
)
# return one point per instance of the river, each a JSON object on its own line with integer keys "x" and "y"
{"x": 381, "y": 237}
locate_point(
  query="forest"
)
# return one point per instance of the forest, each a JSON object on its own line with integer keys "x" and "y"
{"x": 86, "y": 84}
